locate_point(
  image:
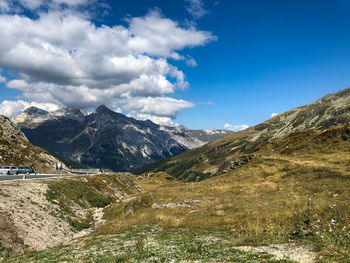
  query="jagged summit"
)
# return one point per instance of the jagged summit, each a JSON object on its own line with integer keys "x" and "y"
{"x": 35, "y": 111}
{"x": 102, "y": 108}
{"x": 33, "y": 116}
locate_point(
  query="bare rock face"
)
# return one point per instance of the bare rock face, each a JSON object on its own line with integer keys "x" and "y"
{"x": 9, "y": 131}
{"x": 15, "y": 149}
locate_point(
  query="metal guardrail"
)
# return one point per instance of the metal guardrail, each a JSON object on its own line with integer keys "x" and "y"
{"x": 86, "y": 171}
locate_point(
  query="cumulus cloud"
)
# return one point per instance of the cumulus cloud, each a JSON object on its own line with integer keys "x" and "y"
{"x": 191, "y": 63}
{"x": 74, "y": 2}
{"x": 235, "y": 127}
{"x": 4, "y": 6}
{"x": 195, "y": 8}
{"x": 33, "y": 5}
{"x": 273, "y": 114}
{"x": 13, "y": 108}
{"x": 166, "y": 121}
{"x": 64, "y": 59}
{"x": 164, "y": 106}
{"x": 156, "y": 35}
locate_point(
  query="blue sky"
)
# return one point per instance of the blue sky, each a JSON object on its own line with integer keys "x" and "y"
{"x": 252, "y": 57}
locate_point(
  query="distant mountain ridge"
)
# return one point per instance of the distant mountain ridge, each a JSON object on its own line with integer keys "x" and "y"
{"x": 107, "y": 139}
{"x": 215, "y": 157}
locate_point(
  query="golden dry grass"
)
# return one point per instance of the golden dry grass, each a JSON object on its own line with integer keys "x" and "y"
{"x": 280, "y": 196}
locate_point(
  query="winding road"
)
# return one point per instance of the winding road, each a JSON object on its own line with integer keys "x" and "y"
{"x": 32, "y": 176}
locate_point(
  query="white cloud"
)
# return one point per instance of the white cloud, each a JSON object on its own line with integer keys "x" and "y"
{"x": 235, "y": 128}
{"x": 166, "y": 121}
{"x": 4, "y": 6}
{"x": 273, "y": 114}
{"x": 195, "y": 8}
{"x": 119, "y": 110}
{"x": 13, "y": 108}
{"x": 160, "y": 36}
{"x": 74, "y": 2}
{"x": 191, "y": 63}
{"x": 33, "y": 5}
{"x": 64, "y": 59}
{"x": 161, "y": 106}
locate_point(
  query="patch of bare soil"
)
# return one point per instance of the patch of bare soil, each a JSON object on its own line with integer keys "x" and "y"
{"x": 186, "y": 203}
{"x": 9, "y": 241}
{"x": 97, "y": 214}
{"x": 34, "y": 221}
{"x": 293, "y": 252}
{"x": 29, "y": 221}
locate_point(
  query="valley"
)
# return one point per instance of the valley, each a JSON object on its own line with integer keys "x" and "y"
{"x": 190, "y": 131}
{"x": 283, "y": 200}
{"x": 295, "y": 197}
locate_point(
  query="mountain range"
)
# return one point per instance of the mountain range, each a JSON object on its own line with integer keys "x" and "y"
{"x": 220, "y": 156}
{"x": 107, "y": 139}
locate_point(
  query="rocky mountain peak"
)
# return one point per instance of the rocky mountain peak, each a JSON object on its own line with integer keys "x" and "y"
{"x": 102, "y": 108}
{"x": 35, "y": 111}
{"x": 103, "y": 113}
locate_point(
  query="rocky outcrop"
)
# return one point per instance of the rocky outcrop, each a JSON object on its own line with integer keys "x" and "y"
{"x": 15, "y": 149}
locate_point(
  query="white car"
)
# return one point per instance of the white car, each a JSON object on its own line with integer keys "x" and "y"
{"x": 9, "y": 170}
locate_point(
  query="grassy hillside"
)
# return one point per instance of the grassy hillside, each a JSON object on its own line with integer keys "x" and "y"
{"x": 213, "y": 158}
{"x": 16, "y": 150}
{"x": 295, "y": 192}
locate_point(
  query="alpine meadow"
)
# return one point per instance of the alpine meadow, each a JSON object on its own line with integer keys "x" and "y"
{"x": 174, "y": 131}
